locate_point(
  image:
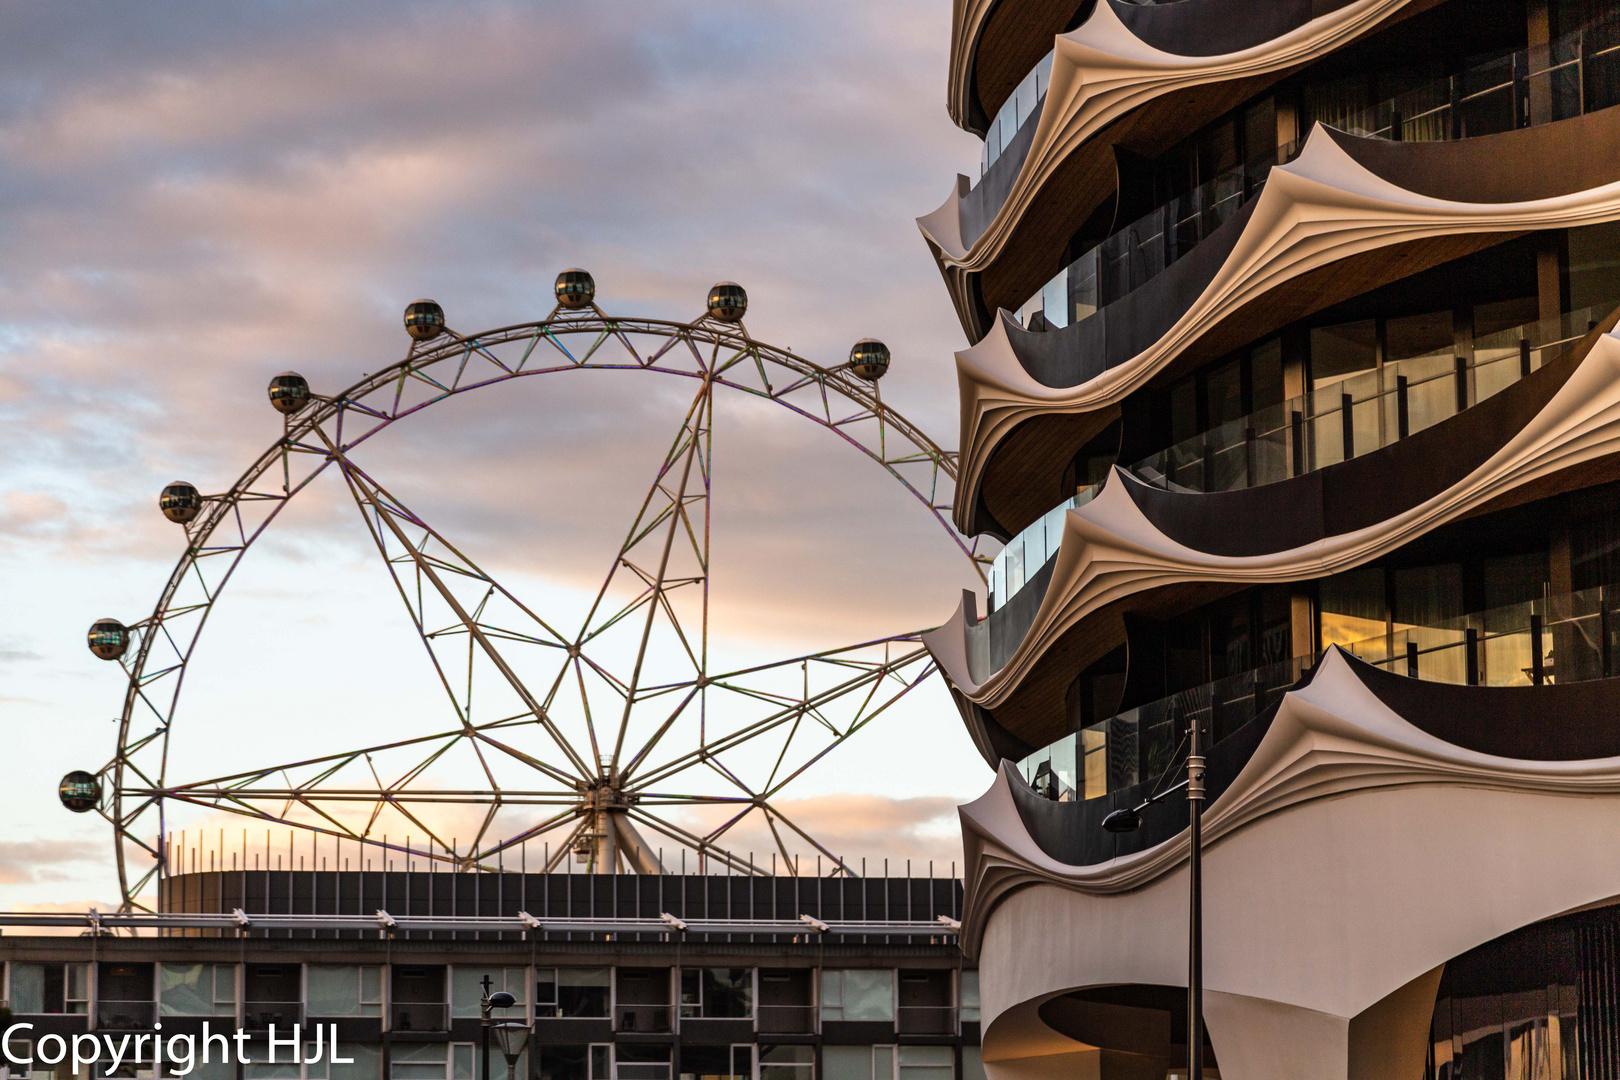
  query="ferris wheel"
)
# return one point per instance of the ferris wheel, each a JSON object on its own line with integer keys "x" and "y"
{"x": 601, "y": 735}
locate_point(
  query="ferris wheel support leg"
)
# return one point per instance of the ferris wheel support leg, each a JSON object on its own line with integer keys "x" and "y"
{"x": 604, "y": 848}
{"x": 637, "y": 853}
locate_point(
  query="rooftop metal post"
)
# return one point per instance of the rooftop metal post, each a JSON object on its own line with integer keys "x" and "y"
{"x": 1195, "y": 905}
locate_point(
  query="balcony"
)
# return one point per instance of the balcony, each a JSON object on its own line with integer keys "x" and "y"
{"x": 419, "y": 1016}
{"x": 1563, "y": 639}
{"x": 125, "y": 1015}
{"x": 1340, "y": 422}
{"x": 1022, "y": 106}
{"x": 1364, "y": 413}
{"x": 644, "y": 1019}
{"x": 927, "y": 1019}
{"x": 787, "y": 1020}
{"x": 259, "y": 1015}
{"x": 1573, "y": 76}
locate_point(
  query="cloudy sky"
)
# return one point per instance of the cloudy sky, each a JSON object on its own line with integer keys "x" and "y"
{"x": 195, "y": 196}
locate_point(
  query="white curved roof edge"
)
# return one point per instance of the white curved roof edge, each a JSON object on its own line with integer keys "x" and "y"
{"x": 1321, "y": 208}
{"x": 1100, "y": 72}
{"x": 967, "y": 23}
{"x": 1109, "y": 549}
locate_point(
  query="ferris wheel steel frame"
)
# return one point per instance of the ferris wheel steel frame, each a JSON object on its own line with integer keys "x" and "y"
{"x": 326, "y": 432}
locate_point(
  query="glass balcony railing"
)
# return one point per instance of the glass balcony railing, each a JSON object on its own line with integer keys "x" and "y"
{"x": 1131, "y": 257}
{"x": 1334, "y": 423}
{"x": 1030, "y": 549}
{"x": 1569, "y": 638}
{"x": 1140, "y": 744}
{"x": 1363, "y": 413}
{"x": 1577, "y": 74}
{"x": 1022, "y": 106}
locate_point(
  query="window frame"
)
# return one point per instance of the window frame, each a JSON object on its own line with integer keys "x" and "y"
{"x": 555, "y": 1004}
{"x": 452, "y": 1051}
{"x": 378, "y": 1007}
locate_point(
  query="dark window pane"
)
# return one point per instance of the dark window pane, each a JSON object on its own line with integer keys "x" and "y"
{"x": 1266, "y": 374}
{"x": 1594, "y": 266}
{"x": 1183, "y": 411}
{"x": 1352, "y": 606}
{"x": 1418, "y": 335}
{"x": 1338, "y": 352}
{"x": 1224, "y": 387}
{"x": 1515, "y": 579}
{"x": 1426, "y": 595}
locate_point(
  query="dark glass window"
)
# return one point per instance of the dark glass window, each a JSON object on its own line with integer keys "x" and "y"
{"x": 1519, "y": 1007}
{"x": 563, "y": 1062}
{"x": 1338, "y": 352}
{"x": 1219, "y": 151}
{"x": 1333, "y": 103}
{"x": 1276, "y": 625}
{"x": 1515, "y": 579}
{"x": 1505, "y": 315}
{"x": 1266, "y": 375}
{"x": 1352, "y": 606}
{"x": 1229, "y": 642}
{"x": 1426, "y": 595}
{"x": 1595, "y": 553}
{"x": 1418, "y": 335}
{"x": 576, "y": 991}
{"x": 1260, "y": 128}
{"x": 1594, "y": 266}
{"x": 1184, "y": 656}
{"x": 1224, "y": 390}
{"x": 726, "y": 993}
{"x": 1183, "y": 410}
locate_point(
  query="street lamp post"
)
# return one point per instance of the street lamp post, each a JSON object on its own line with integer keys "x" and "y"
{"x": 1122, "y": 821}
{"x": 500, "y": 999}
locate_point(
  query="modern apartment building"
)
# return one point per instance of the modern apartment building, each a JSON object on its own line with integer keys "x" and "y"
{"x": 617, "y": 977}
{"x": 1294, "y": 394}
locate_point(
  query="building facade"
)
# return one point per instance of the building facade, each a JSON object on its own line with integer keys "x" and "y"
{"x": 616, "y": 977}
{"x": 1294, "y": 393}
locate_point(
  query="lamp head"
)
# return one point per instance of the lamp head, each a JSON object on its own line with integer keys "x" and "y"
{"x": 500, "y": 999}
{"x": 514, "y": 1038}
{"x": 1123, "y": 821}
